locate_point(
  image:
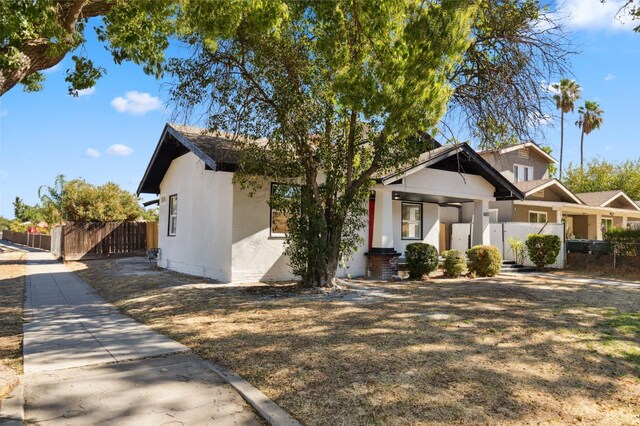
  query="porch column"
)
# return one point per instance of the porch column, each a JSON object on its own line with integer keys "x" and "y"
{"x": 383, "y": 220}
{"x": 481, "y": 233}
{"x": 599, "y": 227}
{"x": 383, "y": 259}
{"x": 558, "y": 215}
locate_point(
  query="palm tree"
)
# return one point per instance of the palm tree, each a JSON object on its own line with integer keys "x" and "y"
{"x": 590, "y": 119}
{"x": 568, "y": 92}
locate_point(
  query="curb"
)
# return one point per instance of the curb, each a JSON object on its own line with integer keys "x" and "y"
{"x": 12, "y": 408}
{"x": 269, "y": 410}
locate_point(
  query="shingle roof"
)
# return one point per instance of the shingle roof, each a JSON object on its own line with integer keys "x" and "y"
{"x": 528, "y": 185}
{"x": 596, "y": 199}
{"x": 219, "y": 146}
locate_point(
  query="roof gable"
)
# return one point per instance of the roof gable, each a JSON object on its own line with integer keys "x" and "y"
{"x": 460, "y": 158}
{"x": 531, "y": 187}
{"x": 606, "y": 198}
{"x": 531, "y": 146}
{"x": 217, "y": 151}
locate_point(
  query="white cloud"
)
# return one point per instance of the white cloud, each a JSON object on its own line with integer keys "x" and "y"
{"x": 119, "y": 150}
{"x": 136, "y": 103}
{"x": 86, "y": 92}
{"x": 53, "y": 69}
{"x": 609, "y": 77}
{"x": 594, "y": 15}
{"x": 92, "y": 153}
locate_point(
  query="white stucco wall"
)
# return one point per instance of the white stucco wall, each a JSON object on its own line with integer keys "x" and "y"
{"x": 255, "y": 255}
{"x": 430, "y": 226}
{"x": 448, "y": 184}
{"x": 202, "y": 244}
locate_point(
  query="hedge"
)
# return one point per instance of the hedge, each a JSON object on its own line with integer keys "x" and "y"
{"x": 421, "y": 259}
{"x": 543, "y": 249}
{"x": 484, "y": 261}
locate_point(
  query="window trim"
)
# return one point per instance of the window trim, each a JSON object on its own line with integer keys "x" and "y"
{"x": 538, "y": 212}
{"x": 515, "y": 173}
{"x": 606, "y": 219}
{"x": 170, "y": 204}
{"x": 276, "y": 235}
{"x": 420, "y": 238}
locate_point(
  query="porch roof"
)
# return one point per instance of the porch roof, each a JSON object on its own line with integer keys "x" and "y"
{"x": 570, "y": 208}
{"x": 459, "y": 158}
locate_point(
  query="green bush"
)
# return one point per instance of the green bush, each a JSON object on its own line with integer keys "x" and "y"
{"x": 484, "y": 261}
{"x": 455, "y": 263}
{"x": 421, "y": 259}
{"x": 626, "y": 242}
{"x": 543, "y": 249}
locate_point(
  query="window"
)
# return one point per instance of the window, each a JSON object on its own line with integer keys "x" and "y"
{"x": 411, "y": 221}
{"x": 606, "y": 224}
{"x": 173, "y": 214}
{"x": 279, "y": 194}
{"x": 522, "y": 173}
{"x": 537, "y": 217}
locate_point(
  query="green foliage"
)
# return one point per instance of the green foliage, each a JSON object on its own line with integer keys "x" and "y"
{"x": 601, "y": 175}
{"x": 36, "y": 35}
{"x": 84, "y": 202}
{"x": 543, "y": 249}
{"x": 26, "y": 213}
{"x": 455, "y": 263}
{"x": 484, "y": 261}
{"x": 421, "y": 259}
{"x": 625, "y": 242}
{"x": 363, "y": 78}
{"x": 517, "y": 247}
{"x": 590, "y": 119}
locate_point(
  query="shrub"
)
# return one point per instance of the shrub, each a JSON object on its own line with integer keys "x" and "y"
{"x": 455, "y": 263}
{"x": 484, "y": 261}
{"x": 421, "y": 259}
{"x": 543, "y": 249}
{"x": 626, "y": 242}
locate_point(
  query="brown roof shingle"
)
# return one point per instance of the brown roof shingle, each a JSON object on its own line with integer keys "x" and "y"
{"x": 596, "y": 199}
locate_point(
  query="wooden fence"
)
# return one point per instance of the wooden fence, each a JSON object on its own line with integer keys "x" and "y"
{"x": 40, "y": 241}
{"x": 92, "y": 240}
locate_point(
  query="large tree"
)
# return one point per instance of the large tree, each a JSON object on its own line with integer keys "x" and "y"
{"x": 36, "y": 35}
{"x": 590, "y": 119}
{"x": 342, "y": 90}
{"x": 567, "y": 92}
{"x": 601, "y": 175}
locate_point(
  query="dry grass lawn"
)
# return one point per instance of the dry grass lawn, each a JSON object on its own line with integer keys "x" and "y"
{"x": 12, "y": 273}
{"x": 498, "y": 351}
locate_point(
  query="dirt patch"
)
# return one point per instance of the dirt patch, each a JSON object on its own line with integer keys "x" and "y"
{"x": 12, "y": 275}
{"x": 517, "y": 350}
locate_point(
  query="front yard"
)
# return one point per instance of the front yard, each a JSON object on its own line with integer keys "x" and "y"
{"x": 511, "y": 351}
{"x": 12, "y": 272}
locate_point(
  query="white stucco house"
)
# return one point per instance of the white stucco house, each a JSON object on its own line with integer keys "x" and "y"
{"x": 211, "y": 227}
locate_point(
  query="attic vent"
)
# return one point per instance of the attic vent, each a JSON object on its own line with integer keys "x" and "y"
{"x": 523, "y": 153}
{"x": 163, "y": 199}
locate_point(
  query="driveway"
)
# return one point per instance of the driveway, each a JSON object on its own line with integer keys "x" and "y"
{"x": 84, "y": 363}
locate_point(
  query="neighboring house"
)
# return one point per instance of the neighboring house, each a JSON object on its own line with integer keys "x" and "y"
{"x": 211, "y": 227}
{"x": 587, "y": 215}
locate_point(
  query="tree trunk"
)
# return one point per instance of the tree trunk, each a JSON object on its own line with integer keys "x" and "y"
{"x": 582, "y": 150}
{"x": 561, "y": 141}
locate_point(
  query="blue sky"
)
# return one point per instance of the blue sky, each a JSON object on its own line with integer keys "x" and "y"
{"x": 110, "y": 132}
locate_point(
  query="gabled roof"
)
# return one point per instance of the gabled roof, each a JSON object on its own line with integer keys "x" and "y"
{"x": 459, "y": 158}
{"x": 602, "y": 198}
{"x": 217, "y": 151}
{"x": 532, "y": 186}
{"x": 530, "y": 145}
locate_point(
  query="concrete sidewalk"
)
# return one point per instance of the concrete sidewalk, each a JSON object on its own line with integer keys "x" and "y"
{"x": 84, "y": 363}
